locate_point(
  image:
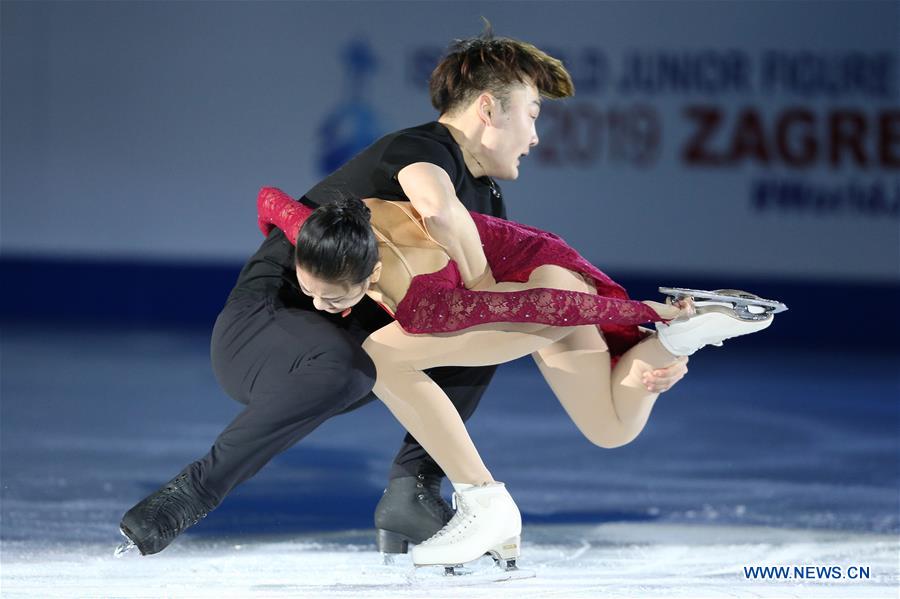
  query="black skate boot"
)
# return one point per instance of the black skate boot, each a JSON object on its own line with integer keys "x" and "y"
{"x": 410, "y": 511}
{"x": 155, "y": 522}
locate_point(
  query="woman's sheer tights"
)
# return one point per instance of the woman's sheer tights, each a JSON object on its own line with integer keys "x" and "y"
{"x": 610, "y": 406}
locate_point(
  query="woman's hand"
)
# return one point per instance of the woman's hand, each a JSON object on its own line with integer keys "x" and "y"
{"x": 658, "y": 380}
{"x": 662, "y": 379}
{"x": 678, "y": 310}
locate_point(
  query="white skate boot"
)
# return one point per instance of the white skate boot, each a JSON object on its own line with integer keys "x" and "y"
{"x": 486, "y": 521}
{"x": 721, "y": 315}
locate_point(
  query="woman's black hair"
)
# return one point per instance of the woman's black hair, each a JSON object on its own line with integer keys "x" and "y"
{"x": 336, "y": 243}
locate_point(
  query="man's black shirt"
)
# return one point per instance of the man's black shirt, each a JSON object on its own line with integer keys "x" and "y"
{"x": 371, "y": 173}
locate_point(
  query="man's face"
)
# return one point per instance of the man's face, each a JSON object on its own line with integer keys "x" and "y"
{"x": 513, "y": 132}
{"x": 330, "y": 297}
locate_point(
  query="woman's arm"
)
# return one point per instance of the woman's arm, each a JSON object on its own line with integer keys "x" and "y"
{"x": 274, "y": 208}
{"x": 431, "y": 193}
{"x": 442, "y": 308}
{"x": 445, "y": 308}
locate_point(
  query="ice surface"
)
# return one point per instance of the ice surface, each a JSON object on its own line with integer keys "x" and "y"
{"x": 788, "y": 458}
{"x": 608, "y": 560}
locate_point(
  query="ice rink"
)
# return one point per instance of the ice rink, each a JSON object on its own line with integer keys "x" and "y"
{"x": 755, "y": 459}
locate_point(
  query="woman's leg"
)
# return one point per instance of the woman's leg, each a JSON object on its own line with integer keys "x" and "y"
{"x": 422, "y": 407}
{"x": 610, "y": 407}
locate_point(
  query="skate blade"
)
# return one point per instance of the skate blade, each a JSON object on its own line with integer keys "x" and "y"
{"x": 470, "y": 578}
{"x": 507, "y": 565}
{"x": 126, "y": 545}
{"x": 734, "y": 296}
{"x": 471, "y": 574}
{"x": 389, "y": 559}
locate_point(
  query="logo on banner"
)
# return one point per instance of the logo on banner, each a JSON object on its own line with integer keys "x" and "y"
{"x": 353, "y": 124}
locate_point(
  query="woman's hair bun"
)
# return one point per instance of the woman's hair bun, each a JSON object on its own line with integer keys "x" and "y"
{"x": 352, "y": 207}
{"x": 336, "y": 243}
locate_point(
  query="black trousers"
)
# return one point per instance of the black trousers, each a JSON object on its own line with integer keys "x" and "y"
{"x": 294, "y": 367}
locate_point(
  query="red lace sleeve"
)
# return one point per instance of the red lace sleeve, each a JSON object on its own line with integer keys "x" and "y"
{"x": 274, "y": 208}
{"x": 437, "y": 305}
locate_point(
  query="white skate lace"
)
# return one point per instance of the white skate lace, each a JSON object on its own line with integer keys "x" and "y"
{"x": 459, "y": 522}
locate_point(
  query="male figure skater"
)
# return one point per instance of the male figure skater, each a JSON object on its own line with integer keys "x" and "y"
{"x": 293, "y": 366}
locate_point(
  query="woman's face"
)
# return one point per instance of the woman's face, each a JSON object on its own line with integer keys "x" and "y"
{"x": 333, "y": 297}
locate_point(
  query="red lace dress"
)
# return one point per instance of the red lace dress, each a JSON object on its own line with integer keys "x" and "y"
{"x": 438, "y": 302}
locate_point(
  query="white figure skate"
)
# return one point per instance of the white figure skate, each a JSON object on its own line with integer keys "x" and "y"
{"x": 721, "y": 315}
{"x": 486, "y": 521}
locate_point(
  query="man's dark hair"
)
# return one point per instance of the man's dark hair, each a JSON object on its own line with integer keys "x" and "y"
{"x": 487, "y": 63}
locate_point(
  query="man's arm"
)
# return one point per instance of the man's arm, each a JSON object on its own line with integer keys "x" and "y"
{"x": 431, "y": 193}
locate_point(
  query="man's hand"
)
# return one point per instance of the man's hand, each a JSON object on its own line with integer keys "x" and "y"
{"x": 662, "y": 379}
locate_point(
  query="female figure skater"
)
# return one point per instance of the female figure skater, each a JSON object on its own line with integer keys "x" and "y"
{"x": 528, "y": 293}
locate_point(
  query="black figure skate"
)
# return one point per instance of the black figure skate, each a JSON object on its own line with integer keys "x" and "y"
{"x": 410, "y": 511}
{"x": 153, "y": 524}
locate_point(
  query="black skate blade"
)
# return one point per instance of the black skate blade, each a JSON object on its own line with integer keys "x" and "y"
{"x": 125, "y": 547}
{"x": 389, "y": 559}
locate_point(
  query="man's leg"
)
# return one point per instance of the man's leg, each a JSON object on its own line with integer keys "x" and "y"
{"x": 293, "y": 369}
